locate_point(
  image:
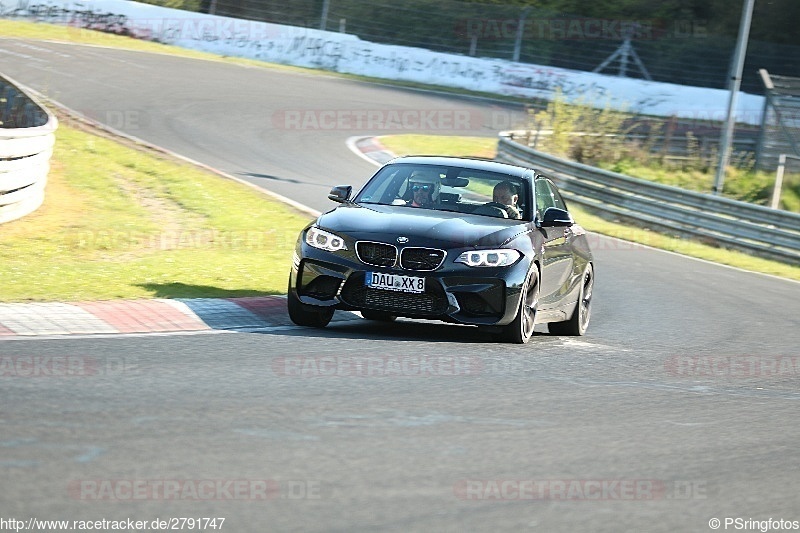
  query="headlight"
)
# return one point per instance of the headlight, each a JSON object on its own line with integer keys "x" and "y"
{"x": 489, "y": 258}
{"x": 324, "y": 240}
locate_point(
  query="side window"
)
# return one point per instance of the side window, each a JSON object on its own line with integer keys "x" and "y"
{"x": 544, "y": 196}
{"x": 558, "y": 201}
{"x": 548, "y": 196}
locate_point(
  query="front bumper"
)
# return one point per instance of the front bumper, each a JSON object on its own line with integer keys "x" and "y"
{"x": 454, "y": 292}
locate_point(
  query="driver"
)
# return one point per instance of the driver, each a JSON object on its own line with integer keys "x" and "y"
{"x": 424, "y": 186}
{"x": 506, "y": 193}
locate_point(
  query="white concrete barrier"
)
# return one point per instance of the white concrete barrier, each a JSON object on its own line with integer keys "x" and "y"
{"x": 27, "y": 137}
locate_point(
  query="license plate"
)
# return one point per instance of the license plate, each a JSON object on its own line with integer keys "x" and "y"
{"x": 394, "y": 282}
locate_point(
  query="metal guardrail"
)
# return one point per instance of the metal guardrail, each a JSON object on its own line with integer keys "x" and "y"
{"x": 27, "y": 136}
{"x": 751, "y": 228}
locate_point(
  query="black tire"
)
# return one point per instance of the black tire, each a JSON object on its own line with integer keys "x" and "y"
{"x": 579, "y": 321}
{"x": 520, "y": 330}
{"x": 307, "y": 315}
{"x": 381, "y": 316}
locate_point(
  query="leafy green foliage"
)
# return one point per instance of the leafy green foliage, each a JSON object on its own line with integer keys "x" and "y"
{"x": 582, "y": 131}
{"x": 598, "y": 136}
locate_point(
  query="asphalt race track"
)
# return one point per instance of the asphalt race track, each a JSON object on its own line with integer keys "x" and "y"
{"x": 282, "y": 131}
{"x": 678, "y": 407}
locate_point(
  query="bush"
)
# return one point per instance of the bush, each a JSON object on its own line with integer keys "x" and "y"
{"x": 600, "y": 136}
{"x": 582, "y": 132}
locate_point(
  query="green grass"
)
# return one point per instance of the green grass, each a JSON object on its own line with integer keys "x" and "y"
{"x": 54, "y": 32}
{"x": 747, "y": 186}
{"x": 119, "y": 222}
{"x": 480, "y": 147}
{"x": 59, "y": 33}
{"x": 457, "y": 146}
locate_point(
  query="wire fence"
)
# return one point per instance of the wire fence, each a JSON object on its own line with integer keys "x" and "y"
{"x": 675, "y": 51}
{"x": 780, "y": 127}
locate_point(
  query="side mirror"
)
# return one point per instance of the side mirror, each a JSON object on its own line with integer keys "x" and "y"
{"x": 340, "y": 193}
{"x": 555, "y": 217}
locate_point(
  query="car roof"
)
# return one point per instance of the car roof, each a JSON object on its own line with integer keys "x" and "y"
{"x": 465, "y": 162}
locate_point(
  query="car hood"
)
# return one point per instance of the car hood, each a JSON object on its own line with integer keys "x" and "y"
{"x": 423, "y": 227}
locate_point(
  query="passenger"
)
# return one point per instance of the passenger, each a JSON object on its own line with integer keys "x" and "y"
{"x": 505, "y": 193}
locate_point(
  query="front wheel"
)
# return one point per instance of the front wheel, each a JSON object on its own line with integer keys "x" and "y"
{"x": 520, "y": 330}
{"x": 579, "y": 321}
{"x": 307, "y": 315}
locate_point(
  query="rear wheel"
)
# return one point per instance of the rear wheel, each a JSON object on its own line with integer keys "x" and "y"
{"x": 520, "y": 330}
{"x": 307, "y": 315}
{"x": 579, "y": 321}
{"x": 381, "y": 316}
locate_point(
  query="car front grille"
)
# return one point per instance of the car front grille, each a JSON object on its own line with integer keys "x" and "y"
{"x": 433, "y": 302}
{"x": 411, "y": 258}
{"x": 376, "y": 253}
{"x": 421, "y": 258}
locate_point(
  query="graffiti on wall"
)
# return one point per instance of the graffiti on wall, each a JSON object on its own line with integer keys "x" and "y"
{"x": 76, "y": 14}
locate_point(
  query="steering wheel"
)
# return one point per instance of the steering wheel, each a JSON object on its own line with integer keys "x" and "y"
{"x": 498, "y": 205}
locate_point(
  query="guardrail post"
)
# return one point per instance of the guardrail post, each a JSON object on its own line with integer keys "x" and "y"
{"x": 776, "y": 191}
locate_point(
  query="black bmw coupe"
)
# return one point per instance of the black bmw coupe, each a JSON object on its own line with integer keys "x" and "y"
{"x": 459, "y": 240}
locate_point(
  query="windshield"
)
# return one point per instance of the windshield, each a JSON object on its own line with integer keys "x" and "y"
{"x": 443, "y": 188}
